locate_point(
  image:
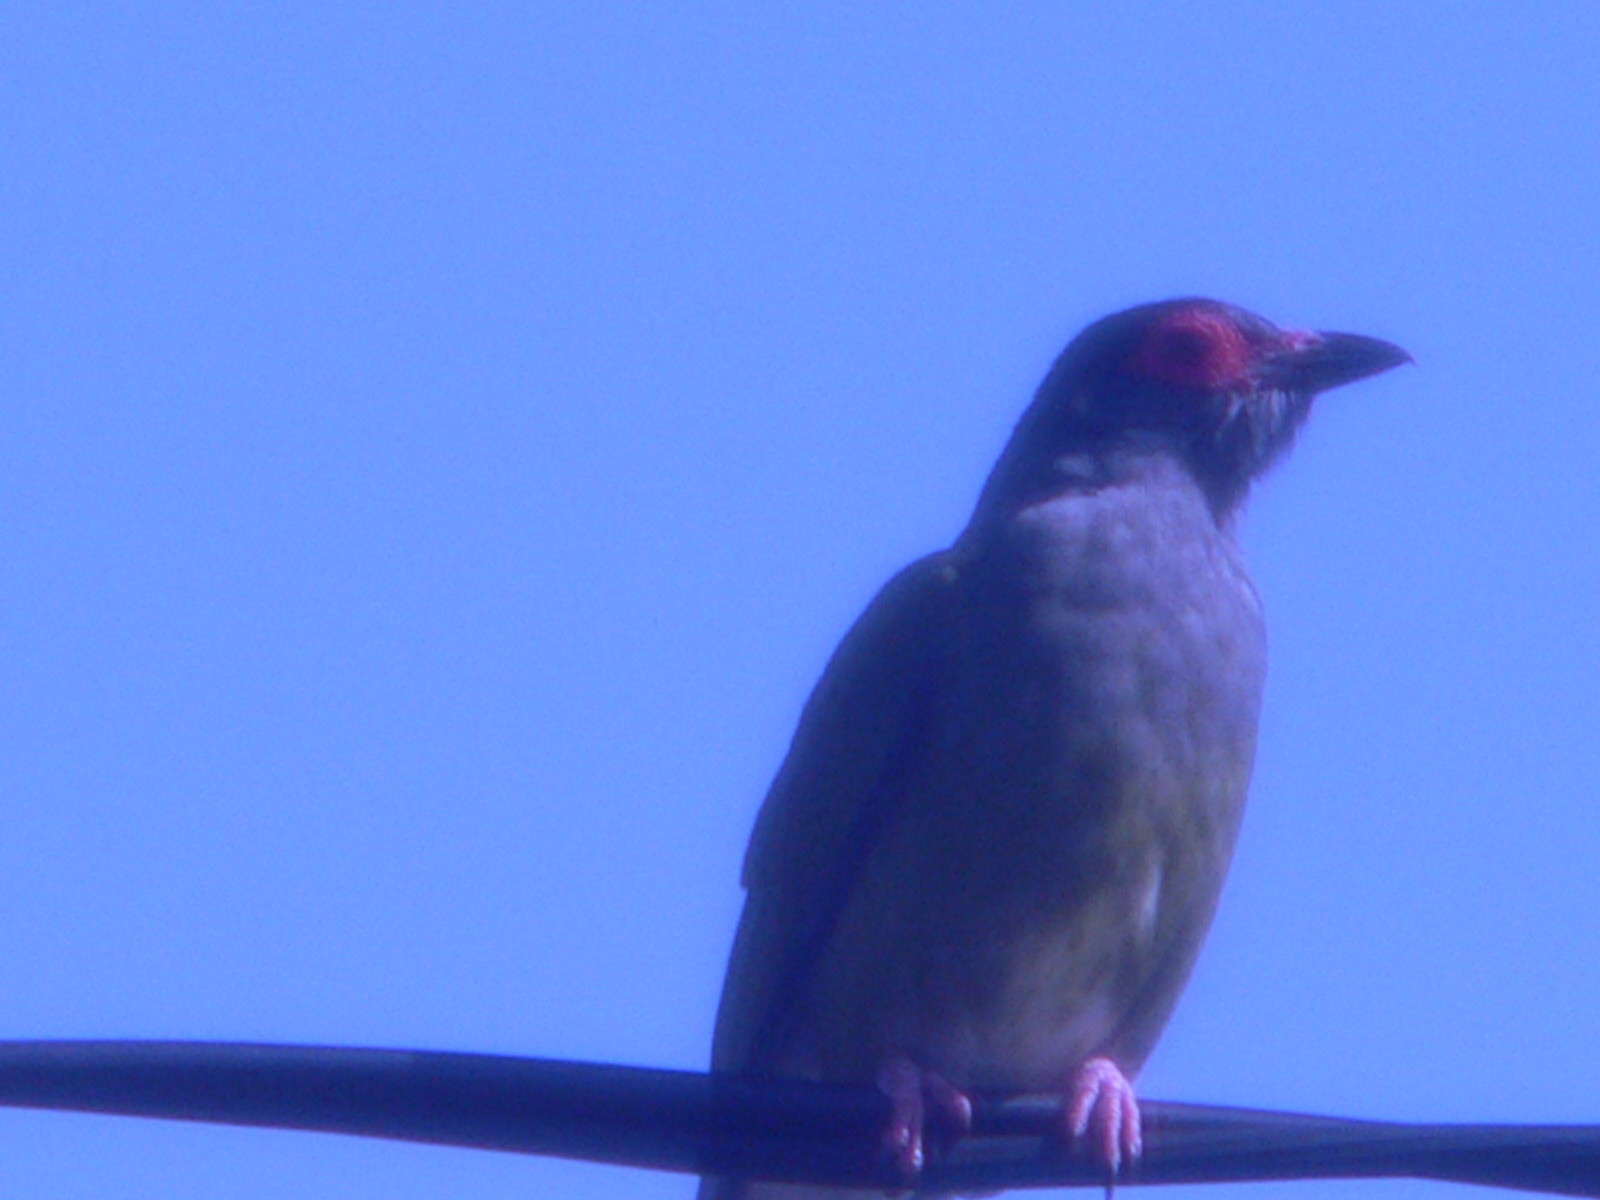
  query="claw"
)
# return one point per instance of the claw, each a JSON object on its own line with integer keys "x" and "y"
{"x": 921, "y": 1102}
{"x": 1102, "y": 1114}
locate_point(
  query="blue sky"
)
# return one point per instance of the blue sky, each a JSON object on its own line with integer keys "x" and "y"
{"x": 439, "y": 450}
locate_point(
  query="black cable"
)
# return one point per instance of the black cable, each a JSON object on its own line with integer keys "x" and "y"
{"x": 780, "y": 1129}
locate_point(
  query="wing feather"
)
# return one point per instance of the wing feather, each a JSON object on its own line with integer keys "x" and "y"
{"x": 858, "y": 742}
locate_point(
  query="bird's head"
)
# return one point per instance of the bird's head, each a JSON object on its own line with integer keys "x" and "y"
{"x": 1220, "y": 387}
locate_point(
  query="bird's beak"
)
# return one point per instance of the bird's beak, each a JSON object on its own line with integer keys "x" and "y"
{"x": 1315, "y": 362}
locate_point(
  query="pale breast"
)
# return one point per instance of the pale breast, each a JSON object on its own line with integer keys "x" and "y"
{"x": 1056, "y": 858}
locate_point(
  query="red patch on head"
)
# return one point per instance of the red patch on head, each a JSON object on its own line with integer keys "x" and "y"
{"x": 1193, "y": 348}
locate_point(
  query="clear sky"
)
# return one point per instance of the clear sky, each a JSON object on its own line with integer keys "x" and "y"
{"x": 439, "y": 449}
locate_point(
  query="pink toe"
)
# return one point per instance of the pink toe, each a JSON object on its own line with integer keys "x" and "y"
{"x": 1102, "y": 1113}
{"x": 920, "y": 1102}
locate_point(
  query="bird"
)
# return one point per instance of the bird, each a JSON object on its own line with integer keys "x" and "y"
{"x": 999, "y": 835}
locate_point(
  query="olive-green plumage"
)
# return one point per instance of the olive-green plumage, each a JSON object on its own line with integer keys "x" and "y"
{"x": 1001, "y": 831}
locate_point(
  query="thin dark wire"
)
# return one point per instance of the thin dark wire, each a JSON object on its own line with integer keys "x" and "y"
{"x": 802, "y": 1132}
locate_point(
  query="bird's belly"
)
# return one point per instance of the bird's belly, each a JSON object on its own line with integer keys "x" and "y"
{"x": 1044, "y": 890}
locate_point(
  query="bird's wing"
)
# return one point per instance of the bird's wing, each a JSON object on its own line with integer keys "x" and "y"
{"x": 858, "y": 739}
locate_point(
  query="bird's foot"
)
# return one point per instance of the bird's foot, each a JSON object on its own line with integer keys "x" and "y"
{"x": 924, "y": 1104}
{"x": 1101, "y": 1115}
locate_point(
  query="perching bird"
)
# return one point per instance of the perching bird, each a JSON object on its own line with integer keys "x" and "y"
{"x": 996, "y": 844}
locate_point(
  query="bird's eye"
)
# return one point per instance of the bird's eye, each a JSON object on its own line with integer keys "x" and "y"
{"x": 1193, "y": 349}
